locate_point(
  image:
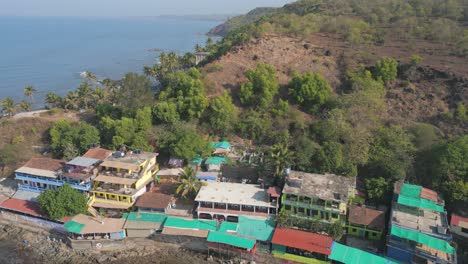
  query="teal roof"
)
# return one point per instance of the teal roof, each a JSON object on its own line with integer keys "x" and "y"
{"x": 73, "y": 227}
{"x": 228, "y": 226}
{"x": 146, "y": 217}
{"x": 224, "y": 238}
{"x": 197, "y": 160}
{"x": 222, "y": 144}
{"x": 424, "y": 239}
{"x": 215, "y": 160}
{"x": 349, "y": 255}
{"x": 420, "y": 203}
{"x": 261, "y": 230}
{"x": 175, "y": 222}
{"x": 411, "y": 190}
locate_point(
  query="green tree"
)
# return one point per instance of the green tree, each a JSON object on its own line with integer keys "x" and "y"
{"x": 65, "y": 201}
{"x": 8, "y": 156}
{"x": 29, "y": 92}
{"x": 53, "y": 100}
{"x": 392, "y": 153}
{"x": 187, "y": 144}
{"x": 25, "y": 105}
{"x": 456, "y": 194}
{"x": 386, "y": 69}
{"x": 460, "y": 113}
{"x": 335, "y": 230}
{"x": 310, "y": 90}
{"x": 143, "y": 118}
{"x": 135, "y": 92}
{"x": 261, "y": 88}
{"x": 281, "y": 158}
{"x": 85, "y": 95}
{"x": 424, "y": 135}
{"x": 281, "y": 109}
{"x": 222, "y": 114}
{"x": 71, "y": 137}
{"x": 71, "y": 101}
{"x": 8, "y": 106}
{"x": 165, "y": 112}
{"x": 378, "y": 190}
{"x": 189, "y": 183}
{"x": 451, "y": 161}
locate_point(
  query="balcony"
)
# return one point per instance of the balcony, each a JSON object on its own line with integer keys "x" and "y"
{"x": 310, "y": 206}
{"x": 29, "y": 188}
{"x": 25, "y": 177}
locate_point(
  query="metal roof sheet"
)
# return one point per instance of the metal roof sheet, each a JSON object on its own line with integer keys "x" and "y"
{"x": 228, "y": 239}
{"x": 83, "y": 162}
{"x": 302, "y": 240}
{"x": 424, "y": 239}
{"x": 349, "y": 255}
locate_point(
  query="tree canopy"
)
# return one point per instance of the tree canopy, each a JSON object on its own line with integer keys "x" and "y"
{"x": 65, "y": 136}
{"x": 65, "y": 201}
{"x": 310, "y": 90}
{"x": 261, "y": 88}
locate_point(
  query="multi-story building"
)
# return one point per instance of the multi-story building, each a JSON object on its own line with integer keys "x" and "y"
{"x": 227, "y": 201}
{"x": 418, "y": 227}
{"x": 366, "y": 222}
{"x": 318, "y": 197}
{"x": 123, "y": 177}
{"x": 40, "y": 174}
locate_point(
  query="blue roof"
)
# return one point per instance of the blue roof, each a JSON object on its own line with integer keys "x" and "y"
{"x": 222, "y": 144}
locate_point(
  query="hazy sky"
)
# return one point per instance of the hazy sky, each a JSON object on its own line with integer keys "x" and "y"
{"x": 130, "y": 7}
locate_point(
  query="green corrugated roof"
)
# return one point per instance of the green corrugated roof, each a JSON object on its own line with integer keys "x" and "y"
{"x": 197, "y": 160}
{"x": 424, "y": 239}
{"x": 146, "y": 217}
{"x": 190, "y": 224}
{"x": 411, "y": 190}
{"x": 220, "y": 237}
{"x": 349, "y": 255}
{"x": 227, "y": 226}
{"x": 420, "y": 202}
{"x": 73, "y": 227}
{"x": 222, "y": 144}
{"x": 215, "y": 160}
{"x": 261, "y": 230}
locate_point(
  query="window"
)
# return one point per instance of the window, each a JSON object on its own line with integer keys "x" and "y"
{"x": 334, "y": 215}
{"x": 287, "y": 207}
{"x": 314, "y": 212}
{"x": 353, "y": 229}
{"x": 25, "y": 182}
{"x": 301, "y": 210}
{"x": 464, "y": 230}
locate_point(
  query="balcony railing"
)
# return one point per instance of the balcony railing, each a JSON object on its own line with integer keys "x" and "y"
{"x": 310, "y": 206}
{"x": 29, "y": 188}
{"x": 83, "y": 187}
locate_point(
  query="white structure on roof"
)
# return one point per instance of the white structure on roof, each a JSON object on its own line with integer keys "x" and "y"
{"x": 223, "y": 200}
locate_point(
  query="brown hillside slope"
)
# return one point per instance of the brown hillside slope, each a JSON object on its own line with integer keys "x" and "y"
{"x": 433, "y": 88}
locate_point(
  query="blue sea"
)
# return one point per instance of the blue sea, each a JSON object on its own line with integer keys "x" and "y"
{"x": 50, "y": 53}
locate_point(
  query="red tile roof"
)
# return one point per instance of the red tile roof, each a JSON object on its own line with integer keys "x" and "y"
{"x": 154, "y": 200}
{"x": 98, "y": 153}
{"x": 45, "y": 164}
{"x": 367, "y": 217}
{"x": 429, "y": 194}
{"x": 456, "y": 219}
{"x": 274, "y": 191}
{"x": 303, "y": 240}
{"x": 23, "y": 206}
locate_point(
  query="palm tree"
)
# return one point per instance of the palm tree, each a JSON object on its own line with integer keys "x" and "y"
{"x": 8, "y": 106}
{"x": 85, "y": 92}
{"x": 98, "y": 96}
{"x": 189, "y": 183}
{"x": 25, "y": 105}
{"x": 29, "y": 92}
{"x": 52, "y": 99}
{"x": 71, "y": 101}
{"x": 281, "y": 158}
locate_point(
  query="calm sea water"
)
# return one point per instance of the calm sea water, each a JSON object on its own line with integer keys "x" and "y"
{"x": 50, "y": 53}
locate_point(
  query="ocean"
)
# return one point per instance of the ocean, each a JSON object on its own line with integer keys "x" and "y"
{"x": 50, "y": 53}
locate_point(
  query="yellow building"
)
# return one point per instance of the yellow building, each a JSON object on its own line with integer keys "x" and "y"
{"x": 122, "y": 178}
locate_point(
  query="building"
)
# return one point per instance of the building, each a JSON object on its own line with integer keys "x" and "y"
{"x": 160, "y": 199}
{"x": 207, "y": 175}
{"x": 85, "y": 232}
{"x": 122, "y": 178}
{"x": 79, "y": 172}
{"x": 200, "y": 56}
{"x": 188, "y": 227}
{"x": 260, "y": 230}
{"x": 97, "y": 153}
{"x": 40, "y": 174}
{"x": 366, "y": 222}
{"x": 228, "y": 244}
{"x": 345, "y": 254}
{"x": 215, "y": 163}
{"x": 141, "y": 224}
{"x": 301, "y": 247}
{"x": 418, "y": 226}
{"x": 316, "y": 196}
{"x": 459, "y": 226}
{"x": 169, "y": 175}
{"x": 228, "y": 201}
{"x": 222, "y": 148}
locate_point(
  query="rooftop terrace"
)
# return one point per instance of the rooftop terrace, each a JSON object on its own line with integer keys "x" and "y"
{"x": 418, "y": 219}
{"x": 234, "y": 193}
{"x": 324, "y": 186}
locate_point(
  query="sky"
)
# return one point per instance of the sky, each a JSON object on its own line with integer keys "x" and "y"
{"x": 116, "y": 8}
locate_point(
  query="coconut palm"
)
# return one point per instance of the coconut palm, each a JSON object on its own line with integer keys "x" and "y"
{"x": 25, "y": 105}
{"x": 29, "y": 92}
{"x": 281, "y": 157}
{"x": 189, "y": 183}
{"x": 8, "y": 106}
{"x": 71, "y": 101}
{"x": 99, "y": 95}
{"x": 85, "y": 92}
{"x": 52, "y": 100}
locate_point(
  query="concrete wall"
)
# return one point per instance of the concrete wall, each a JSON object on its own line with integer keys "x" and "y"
{"x": 139, "y": 232}
{"x": 96, "y": 244}
{"x": 33, "y": 221}
{"x": 192, "y": 243}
